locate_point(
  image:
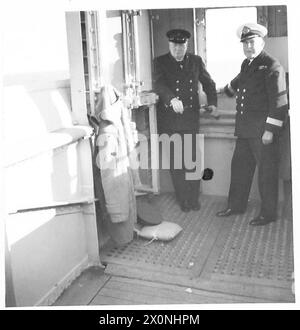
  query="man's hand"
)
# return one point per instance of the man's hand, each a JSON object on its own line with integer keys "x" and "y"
{"x": 213, "y": 111}
{"x": 177, "y": 105}
{"x": 267, "y": 137}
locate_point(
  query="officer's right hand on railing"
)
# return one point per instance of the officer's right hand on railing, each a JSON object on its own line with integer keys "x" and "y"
{"x": 213, "y": 111}
{"x": 209, "y": 110}
{"x": 177, "y": 105}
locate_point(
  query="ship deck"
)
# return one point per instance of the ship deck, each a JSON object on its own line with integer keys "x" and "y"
{"x": 211, "y": 261}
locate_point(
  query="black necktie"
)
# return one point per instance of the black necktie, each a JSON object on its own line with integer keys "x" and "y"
{"x": 247, "y": 65}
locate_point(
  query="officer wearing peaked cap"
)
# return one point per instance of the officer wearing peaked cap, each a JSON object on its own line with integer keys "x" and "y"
{"x": 178, "y": 36}
{"x": 261, "y": 104}
{"x": 251, "y": 30}
{"x": 176, "y": 77}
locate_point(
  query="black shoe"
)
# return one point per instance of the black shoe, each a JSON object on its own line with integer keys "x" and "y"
{"x": 227, "y": 212}
{"x": 195, "y": 206}
{"x": 185, "y": 207}
{"x": 261, "y": 221}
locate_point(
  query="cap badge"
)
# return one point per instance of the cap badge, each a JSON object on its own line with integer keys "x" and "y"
{"x": 246, "y": 29}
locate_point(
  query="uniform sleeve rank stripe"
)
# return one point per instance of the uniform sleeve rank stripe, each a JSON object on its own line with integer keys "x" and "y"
{"x": 275, "y": 122}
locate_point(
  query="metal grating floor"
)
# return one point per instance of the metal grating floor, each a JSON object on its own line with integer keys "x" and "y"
{"x": 214, "y": 253}
{"x": 253, "y": 252}
{"x": 183, "y": 254}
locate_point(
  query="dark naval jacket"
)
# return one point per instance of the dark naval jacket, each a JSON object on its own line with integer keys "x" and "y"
{"x": 180, "y": 80}
{"x": 261, "y": 97}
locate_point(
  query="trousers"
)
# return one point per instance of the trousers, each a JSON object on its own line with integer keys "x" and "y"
{"x": 250, "y": 153}
{"x": 185, "y": 188}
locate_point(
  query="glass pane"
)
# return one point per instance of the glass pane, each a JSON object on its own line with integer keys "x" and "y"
{"x": 113, "y": 51}
{"x": 144, "y": 52}
{"x": 224, "y": 50}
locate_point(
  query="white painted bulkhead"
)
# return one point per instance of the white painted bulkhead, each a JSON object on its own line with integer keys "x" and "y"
{"x": 50, "y": 219}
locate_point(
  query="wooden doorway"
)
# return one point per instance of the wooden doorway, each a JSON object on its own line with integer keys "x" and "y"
{"x": 163, "y": 20}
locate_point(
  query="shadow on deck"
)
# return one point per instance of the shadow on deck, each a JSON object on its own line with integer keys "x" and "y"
{"x": 213, "y": 260}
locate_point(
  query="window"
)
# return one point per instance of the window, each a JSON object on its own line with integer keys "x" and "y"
{"x": 224, "y": 51}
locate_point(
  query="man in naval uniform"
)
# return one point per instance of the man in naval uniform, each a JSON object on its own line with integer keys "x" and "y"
{"x": 176, "y": 77}
{"x": 261, "y": 104}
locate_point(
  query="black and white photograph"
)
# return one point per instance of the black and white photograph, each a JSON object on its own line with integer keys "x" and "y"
{"x": 148, "y": 154}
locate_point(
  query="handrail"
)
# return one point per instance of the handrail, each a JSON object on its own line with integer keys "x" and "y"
{"x": 53, "y": 204}
{"x": 19, "y": 151}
